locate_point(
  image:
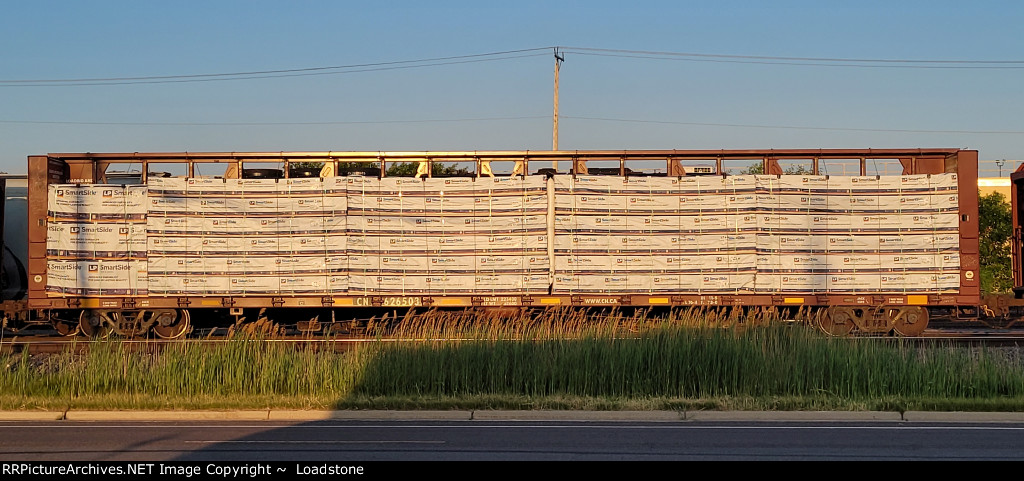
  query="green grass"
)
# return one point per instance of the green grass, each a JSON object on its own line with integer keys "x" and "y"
{"x": 686, "y": 360}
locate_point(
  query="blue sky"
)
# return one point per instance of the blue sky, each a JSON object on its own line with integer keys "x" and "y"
{"x": 645, "y": 103}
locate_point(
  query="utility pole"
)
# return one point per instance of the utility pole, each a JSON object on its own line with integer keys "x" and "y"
{"x": 554, "y": 124}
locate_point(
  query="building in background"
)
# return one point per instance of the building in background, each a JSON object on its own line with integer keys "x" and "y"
{"x": 988, "y": 185}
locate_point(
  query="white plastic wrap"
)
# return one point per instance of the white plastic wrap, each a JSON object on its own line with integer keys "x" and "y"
{"x": 696, "y": 234}
{"x": 88, "y": 240}
{"x": 97, "y": 278}
{"x": 96, "y": 202}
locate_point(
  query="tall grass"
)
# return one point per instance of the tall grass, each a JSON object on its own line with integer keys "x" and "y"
{"x": 459, "y": 359}
{"x": 686, "y": 354}
{"x": 180, "y": 373}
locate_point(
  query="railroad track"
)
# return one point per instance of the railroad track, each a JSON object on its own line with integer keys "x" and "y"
{"x": 44, "y": 341}
{"x": 53, "y": 343}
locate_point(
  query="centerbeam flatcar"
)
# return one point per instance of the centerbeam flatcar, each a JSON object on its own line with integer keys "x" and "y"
{"x": 539, "y": 231}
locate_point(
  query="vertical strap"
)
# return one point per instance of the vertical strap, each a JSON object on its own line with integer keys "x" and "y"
{"x": 550, "y": 220}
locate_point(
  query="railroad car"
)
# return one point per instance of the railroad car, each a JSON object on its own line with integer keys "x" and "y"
{"x": 864, "y": 240}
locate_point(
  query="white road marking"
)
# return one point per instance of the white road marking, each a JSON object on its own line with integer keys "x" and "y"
{"x": 311, "y": 442}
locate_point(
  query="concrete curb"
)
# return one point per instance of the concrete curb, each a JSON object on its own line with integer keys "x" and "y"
{"x": 73, "y": 415}
{"x": 31, "y": 415}
{"x": 496, "y": 415}
{"x": 577, "y": 416}
{"x": 370, "y": 415}
{"x": 966, "y": 417}
{"x": 793, "y": 416}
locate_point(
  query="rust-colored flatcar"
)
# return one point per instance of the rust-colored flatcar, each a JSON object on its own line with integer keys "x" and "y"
{"x": 868, "y": 305}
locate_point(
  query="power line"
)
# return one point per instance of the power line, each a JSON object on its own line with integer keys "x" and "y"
{"x": 520, "y": 53}
{"x": 807, "y": 64}
{"x": 805, "y": 61}
{"x": 309, "y": 74}
{"x": 299, "y": 72}
{"x": 256, "y": 124}
{"x": 797, "y": 127}
{"x": 497, "y": 119}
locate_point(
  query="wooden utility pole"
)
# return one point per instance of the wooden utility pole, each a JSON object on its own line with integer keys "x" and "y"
{"x": 554, "y": 124}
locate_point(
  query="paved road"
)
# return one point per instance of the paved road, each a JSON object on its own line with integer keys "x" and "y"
{"x": 518, "y": 436}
